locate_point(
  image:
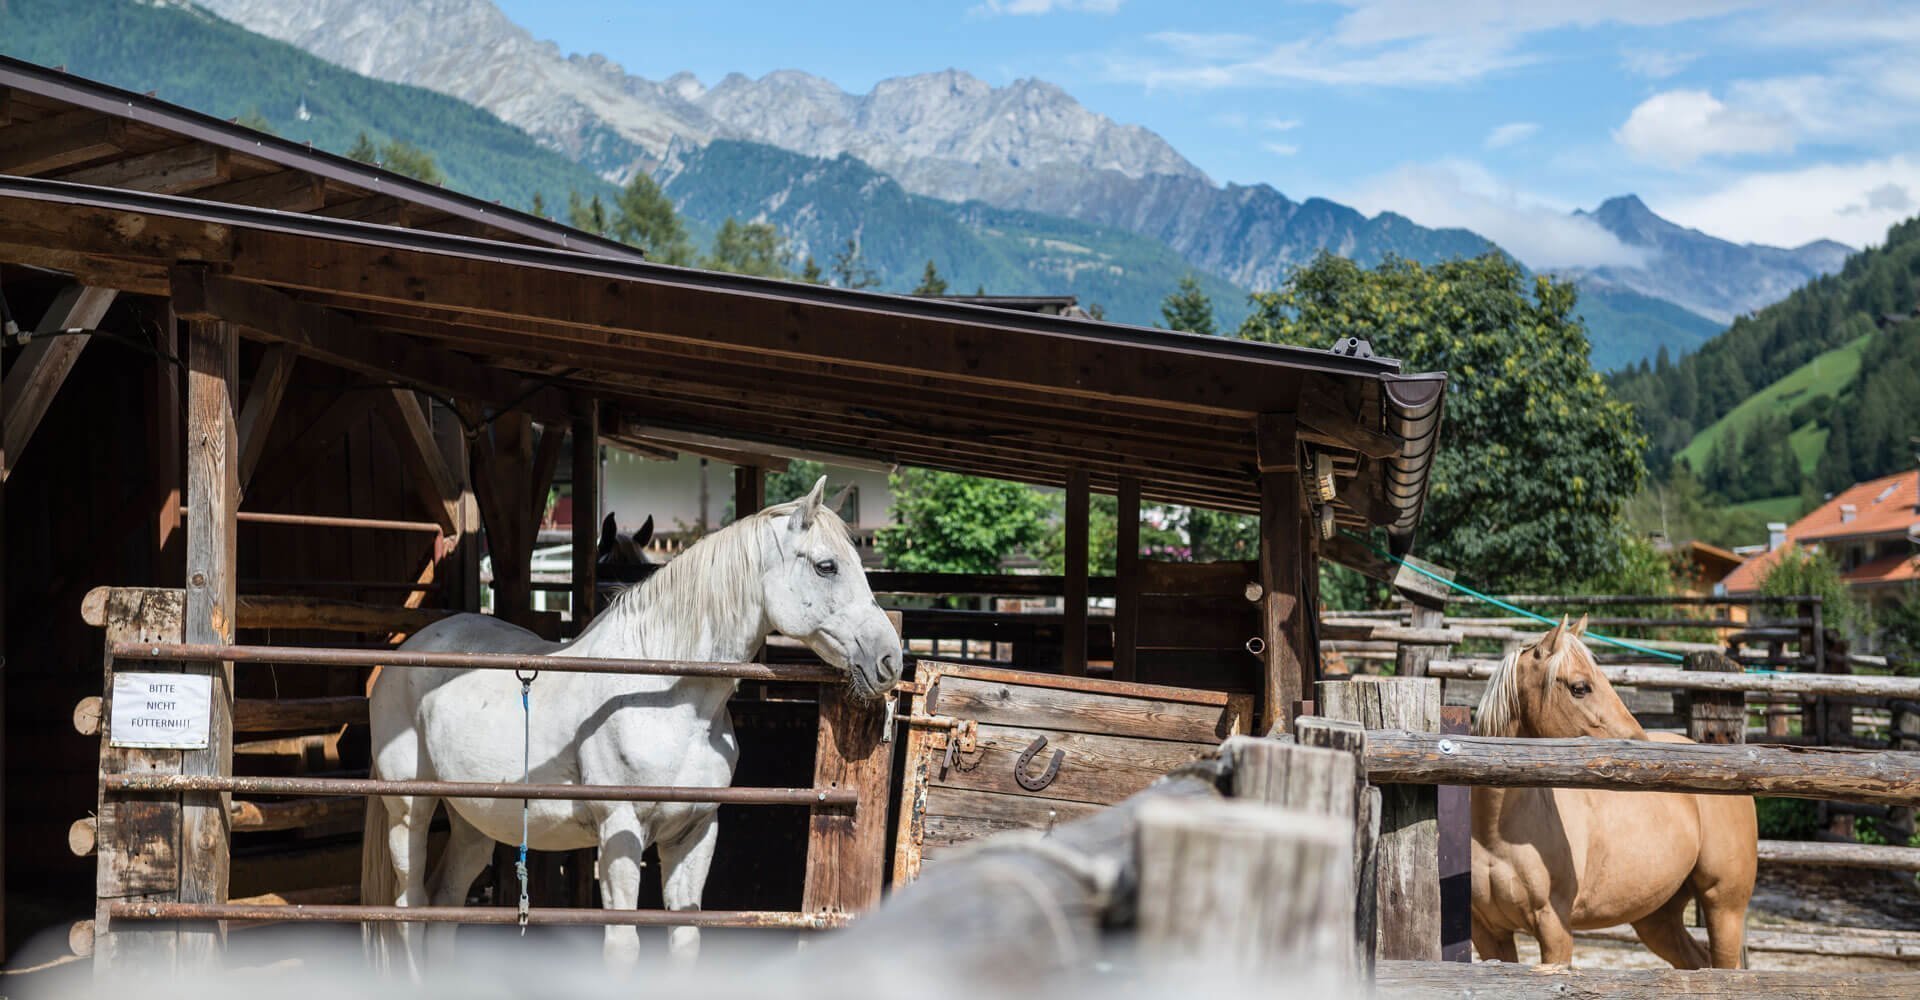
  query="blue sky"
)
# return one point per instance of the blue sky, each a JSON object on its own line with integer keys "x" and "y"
{"x": 1756, "y": 121}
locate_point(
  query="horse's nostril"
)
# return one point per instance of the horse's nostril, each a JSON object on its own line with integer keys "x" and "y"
{"x": 886, "y": 666}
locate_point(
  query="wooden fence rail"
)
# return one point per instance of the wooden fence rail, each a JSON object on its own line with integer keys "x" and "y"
{"x": 1791, "y": 772}
{"x": 1672, "y": 679}
{"x": 1501, "y": 981}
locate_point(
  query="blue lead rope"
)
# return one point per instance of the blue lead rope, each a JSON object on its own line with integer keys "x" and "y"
{"x": 526, "y": 778}
{"x": 1498, "y": 603}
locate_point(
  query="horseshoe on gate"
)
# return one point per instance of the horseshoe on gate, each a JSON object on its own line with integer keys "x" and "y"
{"x": 1028, "y": 782}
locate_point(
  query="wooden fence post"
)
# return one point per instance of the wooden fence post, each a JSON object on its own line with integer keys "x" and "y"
{"x": 1409, "y": 864}
{"x": 1427, "y": 601}
{"x": 846, "y": 852}
{"x": 1350, "y": 738}
{"x": 1285, "y": 636}
{"x": 1126, "y": 572}
{"x": 1238, "y": 887}
{"x": 1455, "y": 817}
{"x": 1713, "y": 716}
{"x": 1073, "y": 646}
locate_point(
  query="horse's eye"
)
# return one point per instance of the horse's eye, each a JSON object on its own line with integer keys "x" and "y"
{"x": 1582, "y": 689}
{"x": 826, "y": 567}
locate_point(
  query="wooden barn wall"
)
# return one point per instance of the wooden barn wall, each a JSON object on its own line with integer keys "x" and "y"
{"x": 82, "y": 509}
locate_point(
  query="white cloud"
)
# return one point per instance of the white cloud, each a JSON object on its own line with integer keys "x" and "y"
{"x": 1850, "y": 202}
{"x": 1397, "y": 43}
{"x": 1656, "y": 64}
{"x": 994, "y": 8}
{"x": 1510, "y": 133}
{"x": 1280, "y": 124}
{"x": 1678, "y": 127}
{"x": 1280, "y": 148}
{"x": 1463, "y": 194}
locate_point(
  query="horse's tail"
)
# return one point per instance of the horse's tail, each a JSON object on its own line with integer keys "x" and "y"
{"x": 378, "y": 885}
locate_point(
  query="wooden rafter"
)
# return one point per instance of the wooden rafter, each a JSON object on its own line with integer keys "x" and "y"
{"x": 437, "y": 486}
{"x": 282, "y": 190}
{"x": 36, "y": 376}
{"x": 262, "y": 405}
{"x": 60, "y": 141}
{"x": 168, "y": 171}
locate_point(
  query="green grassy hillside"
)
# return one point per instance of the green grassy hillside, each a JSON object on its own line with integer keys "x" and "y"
{"x": 1626, "y": 326}
{"x": 1825, "y": 377}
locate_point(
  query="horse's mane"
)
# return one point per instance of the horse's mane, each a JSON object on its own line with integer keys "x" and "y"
{"x": 1499, "y": 711}
{"x": 716, "y": 576}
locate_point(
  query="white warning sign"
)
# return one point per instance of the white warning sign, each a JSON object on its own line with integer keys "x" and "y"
{"x": 161, "y": 711}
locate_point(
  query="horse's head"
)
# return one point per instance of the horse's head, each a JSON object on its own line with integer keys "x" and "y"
{"x": 1554, "y": 688}
{"x": 816, "y": 591}
{"x": 623, "y": 558}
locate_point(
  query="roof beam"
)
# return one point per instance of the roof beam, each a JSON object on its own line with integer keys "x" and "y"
{"x": 36, "y": 376}
{"x": 60, "y": 141}
{"x": 700, "y": 443}
{"x": 336, "y": 339}
{"x": 57, "y": 225}
{"x": 102, "y": 272}
{"x": 169, "y": 171}
{"x": 282, "y": 191}
{"x": 429, "y": 473}
{"x": 262, "y": 404}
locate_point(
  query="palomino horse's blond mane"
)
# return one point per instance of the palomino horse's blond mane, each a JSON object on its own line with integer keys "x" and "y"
{"x": 1499, "y": 711}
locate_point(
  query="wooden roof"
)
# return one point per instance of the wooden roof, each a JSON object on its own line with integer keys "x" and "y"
{"x": 70, "y": 128}
{"x": 775, "y": 366}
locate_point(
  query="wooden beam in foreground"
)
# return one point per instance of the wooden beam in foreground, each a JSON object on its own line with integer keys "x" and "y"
{"x": 1500, "y": 981}
{"x": 36, "y": 376}
{"x": 60, "y": 141}
{"x": 169, "y": 171}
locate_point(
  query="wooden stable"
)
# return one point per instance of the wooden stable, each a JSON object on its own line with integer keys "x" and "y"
{"x": 298, "y": 425}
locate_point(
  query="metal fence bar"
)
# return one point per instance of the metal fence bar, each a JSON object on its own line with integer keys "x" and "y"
{"x": 542, "y": 916}
{"x": 297, "y": 656}
{"x": 176, "y": 783}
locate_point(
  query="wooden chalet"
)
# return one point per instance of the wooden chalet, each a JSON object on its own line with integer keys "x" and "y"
{"x": 312, "y": 390}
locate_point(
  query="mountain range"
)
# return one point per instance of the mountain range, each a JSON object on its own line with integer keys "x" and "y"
{"x": 1070, "y": 200}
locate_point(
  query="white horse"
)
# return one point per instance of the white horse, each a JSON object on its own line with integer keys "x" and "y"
{"x": 789, "y": 569}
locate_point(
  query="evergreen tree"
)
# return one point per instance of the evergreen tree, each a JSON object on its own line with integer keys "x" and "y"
{"x": 810, "y": 272}
{"x": 1188, "y": 308}
{"x": 931, "y": 283}
{"x": 409, "y": 160}
{"x": 644, "y": 217}
{"x": 363, "y": 150}
{"x": 539, "y": 206}
{"x": 749, "y": 248}
{"x": 849, "y": 270}
{"x": 256, "y": 121}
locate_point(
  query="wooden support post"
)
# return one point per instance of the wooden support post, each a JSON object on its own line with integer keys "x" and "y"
{"x": 164, "y": 422}
{"x": 1427, "y": 599}
{"x": 503, "y": 476}
{"x": 1283, "y": 565}
{"x": 1126, "y": 602}
{"x": 1455, "y": 817}
{"x": 1073, "y": 644}
{"x": 1409, "y": 828}
{"x": 213, "y": 496}
{"x": 1713, "y": 716}
{"x": 1350, "y": 738}
{"x": 1234, "y": 887}
{"x": 749, "y": 490}
{"x": 846, "y": 850}
{"x": 586, "y": 509}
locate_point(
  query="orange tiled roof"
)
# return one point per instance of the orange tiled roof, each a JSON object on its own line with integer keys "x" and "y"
{"x": 1884, "y": 506}
{"x": 1888, "y": 569}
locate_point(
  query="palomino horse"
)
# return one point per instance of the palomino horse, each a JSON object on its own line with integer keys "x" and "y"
{"x": 789, "y": 568}
{"x": 1549, "y": 861}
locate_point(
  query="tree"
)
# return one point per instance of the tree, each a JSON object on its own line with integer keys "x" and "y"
{"x": 931, "y": 283}
{"x": 755, "y": 248}
{"x": 1536, "y": 457}
{"x": 256, "y": 121}
{"x": 363, "y": 150}
{"x": 539, "y": 206}
{"x": 945, "y": 522}
{"x": 586, "y": 215}
{"x": 644, "y": 217}
{"x": 1159, "y": 537}
{"x": 1810, "y": 572}
{"x": 409, "y": 160}
{"x": 849, "y": 270}
{"x": 810, "y": 272}
{"x": 1188, "y": 308}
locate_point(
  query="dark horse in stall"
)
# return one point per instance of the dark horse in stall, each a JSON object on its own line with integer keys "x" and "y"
{"x": 621, "y": 561}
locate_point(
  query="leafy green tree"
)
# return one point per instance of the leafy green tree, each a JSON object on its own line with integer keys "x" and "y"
{"x": 795, "y": 481}
{"x": 1900, "y": 632}
{"x": 1218, "y": 536}
{"x": 945, "y": 522}
{"x": 1159, "y": 538}
{"x": 1813, "y": 573}
{"x": 409, "y": 160}
{"x": 363, "y": 150}
{"x": 1188, "y": 308}
{"x": 810, "y": 272}
{"x": 1536, "y": 457}
{"x": 755, "y": 248}
{"x": 644, "y": 217}
{"x": 850, "y": 270}
{"x": 931, "y": 283}
{"x": 256, "y": 121}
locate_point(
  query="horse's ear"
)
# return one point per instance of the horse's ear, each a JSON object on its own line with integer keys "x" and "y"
{"x": 609, "y": 533}
{"x": 809, "y": 506}
{"x": 1550, "y": 643}
{"x": 840, "y": 498}
{"x": 645, "y": 534}
{"x": 1580, "y": 627}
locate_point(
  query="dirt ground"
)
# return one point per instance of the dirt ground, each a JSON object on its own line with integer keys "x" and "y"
{"x": 1806, "y": 900}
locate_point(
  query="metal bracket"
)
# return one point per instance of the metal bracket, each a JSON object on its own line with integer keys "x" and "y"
{"x": 1028, "y": 782}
